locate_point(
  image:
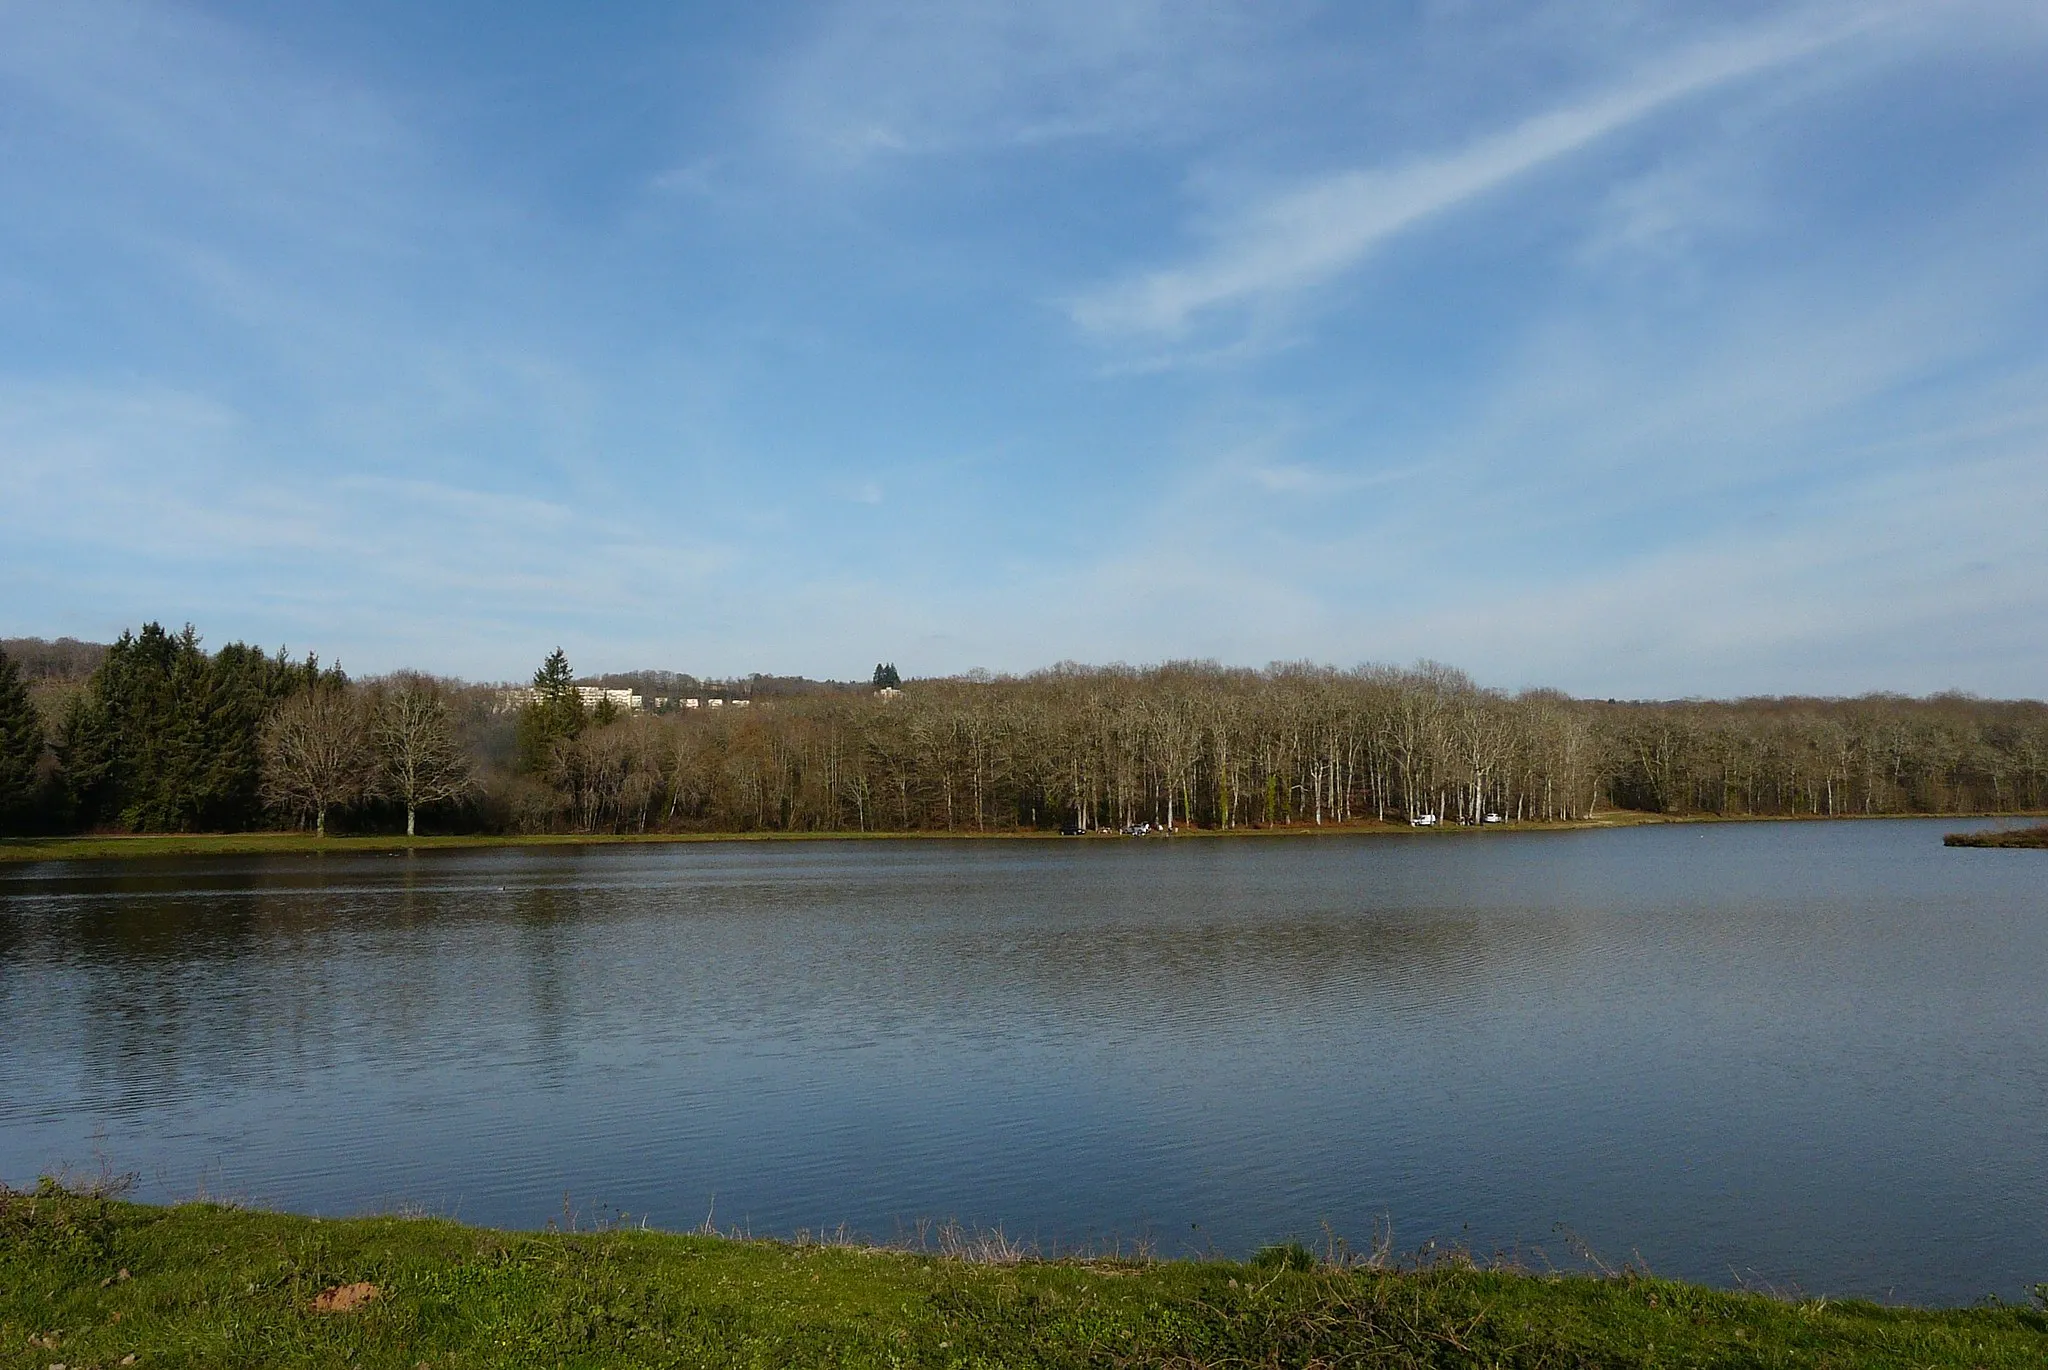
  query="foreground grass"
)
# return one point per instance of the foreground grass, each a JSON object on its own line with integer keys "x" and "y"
{"x": 2036, "y": 836}
{"x": 87, "y": 1282}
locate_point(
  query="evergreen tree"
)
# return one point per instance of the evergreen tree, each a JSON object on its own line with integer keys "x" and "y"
{"x": 554, "y": 715}
{"x": 227, "y": 711}
{"x": 242, "y": 686}
{"x": 21, "y": 750}
{"x": 554, "y": 681}
{"x": 886, "y": 677}
{"x": 164, "y": 738}
{"x": 120, "y": 743}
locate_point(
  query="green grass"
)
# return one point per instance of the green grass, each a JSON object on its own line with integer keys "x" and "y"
{"x": 87, "y": 1282}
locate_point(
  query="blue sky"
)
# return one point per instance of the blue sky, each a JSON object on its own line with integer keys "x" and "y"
{"x": 1636, "y": 349}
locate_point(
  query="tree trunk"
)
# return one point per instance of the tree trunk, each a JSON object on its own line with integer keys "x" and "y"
{"x": 320, "y": 820}
{"x": 409, "y": 811}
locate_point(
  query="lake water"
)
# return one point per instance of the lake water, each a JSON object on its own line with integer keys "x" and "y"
{"x": 1808, "y": 1056}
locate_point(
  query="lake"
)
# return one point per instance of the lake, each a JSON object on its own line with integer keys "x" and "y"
{"x": 1802, "y": 1056}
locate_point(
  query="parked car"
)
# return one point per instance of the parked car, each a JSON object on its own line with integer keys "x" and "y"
{"x": 1494, "y": 818}
{"x": 1422, "y": 820}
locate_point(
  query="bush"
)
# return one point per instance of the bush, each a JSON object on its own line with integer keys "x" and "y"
{"x": 52, "y": 1225}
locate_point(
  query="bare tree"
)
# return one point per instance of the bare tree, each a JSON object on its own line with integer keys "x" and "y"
{"x": 316, "y": 752}
{"x": 418, "y": 752}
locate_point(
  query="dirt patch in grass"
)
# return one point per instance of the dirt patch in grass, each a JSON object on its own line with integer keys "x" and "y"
{"x": 346, "y": 1298}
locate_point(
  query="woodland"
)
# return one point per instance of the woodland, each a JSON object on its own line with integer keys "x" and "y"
{"x": 154, "y": 733}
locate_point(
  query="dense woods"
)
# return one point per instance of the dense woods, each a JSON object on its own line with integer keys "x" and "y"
{"x": 156, "y": 734}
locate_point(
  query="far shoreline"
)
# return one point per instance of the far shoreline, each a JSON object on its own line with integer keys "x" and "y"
{"x": 141, "y": 846}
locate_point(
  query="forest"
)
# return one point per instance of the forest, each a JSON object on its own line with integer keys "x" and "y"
{"x": 154, "y": 733}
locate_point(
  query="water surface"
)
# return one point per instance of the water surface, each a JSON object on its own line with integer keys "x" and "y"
{"x": 1810, "y": 1056}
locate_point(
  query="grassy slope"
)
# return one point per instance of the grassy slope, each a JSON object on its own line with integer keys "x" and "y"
{"x": 224, "y": 1287}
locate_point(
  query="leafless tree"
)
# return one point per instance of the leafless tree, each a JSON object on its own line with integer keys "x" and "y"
{"x": 421, "y": 759}
{"x": 1196, "y": 744}
{"x": 316, "y": 753}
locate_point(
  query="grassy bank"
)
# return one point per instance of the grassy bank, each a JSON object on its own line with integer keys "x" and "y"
{"x": 103, "y": 847}
{"x": 100, "y": 846}
{"x": 88, "y": 1282}
{"x": 2036, "y": 836}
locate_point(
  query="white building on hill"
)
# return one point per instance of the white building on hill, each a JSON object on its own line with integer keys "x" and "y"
{"x": 519, "y": 696}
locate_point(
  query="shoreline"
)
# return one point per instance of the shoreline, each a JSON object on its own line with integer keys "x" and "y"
{"x": 139, "y": 846}
{"x": 2007, "y": 839}
{"x": 88, "y": 1280}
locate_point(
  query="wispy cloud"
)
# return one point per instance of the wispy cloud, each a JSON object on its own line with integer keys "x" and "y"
{"x": 1300, "y": 478}
{"x": 348, "y": 338}
{"x": 1318, "y": 230}
{"x": 883, "y": 78}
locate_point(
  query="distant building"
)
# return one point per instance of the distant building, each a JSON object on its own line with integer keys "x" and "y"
{"x": 594, "y": 695}
{"x": 692, "y": 703}
{"x": 519, "y": 696}
{"x": 887, "y": 692}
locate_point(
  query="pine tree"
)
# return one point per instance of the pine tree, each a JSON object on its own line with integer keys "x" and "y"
{"x": 164, "y": 737}
{"x": 120, "y": 744}
{"x": 554, "y": 681}
{"x": 230, "y": 707}
{"x": 554, "y": 716}
{"x": 21, "y": 750}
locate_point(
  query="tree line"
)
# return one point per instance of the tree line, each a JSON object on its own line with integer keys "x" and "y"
{"x": 165, "y": 736}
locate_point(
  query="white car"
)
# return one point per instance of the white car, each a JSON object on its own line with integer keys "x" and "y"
{"x": 1422, "y": 820}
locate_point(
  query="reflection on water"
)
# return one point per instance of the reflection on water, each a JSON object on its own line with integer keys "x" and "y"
{"x": 1810, "y": 1054}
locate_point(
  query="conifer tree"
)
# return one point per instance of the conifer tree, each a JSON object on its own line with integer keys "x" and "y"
{"x": 554, "y": 716}
{"x": 164, "y": 738}
{"x": 554, "y": 681}
{"x": 21, "y": 749}
{"x": 120, "y": 749}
